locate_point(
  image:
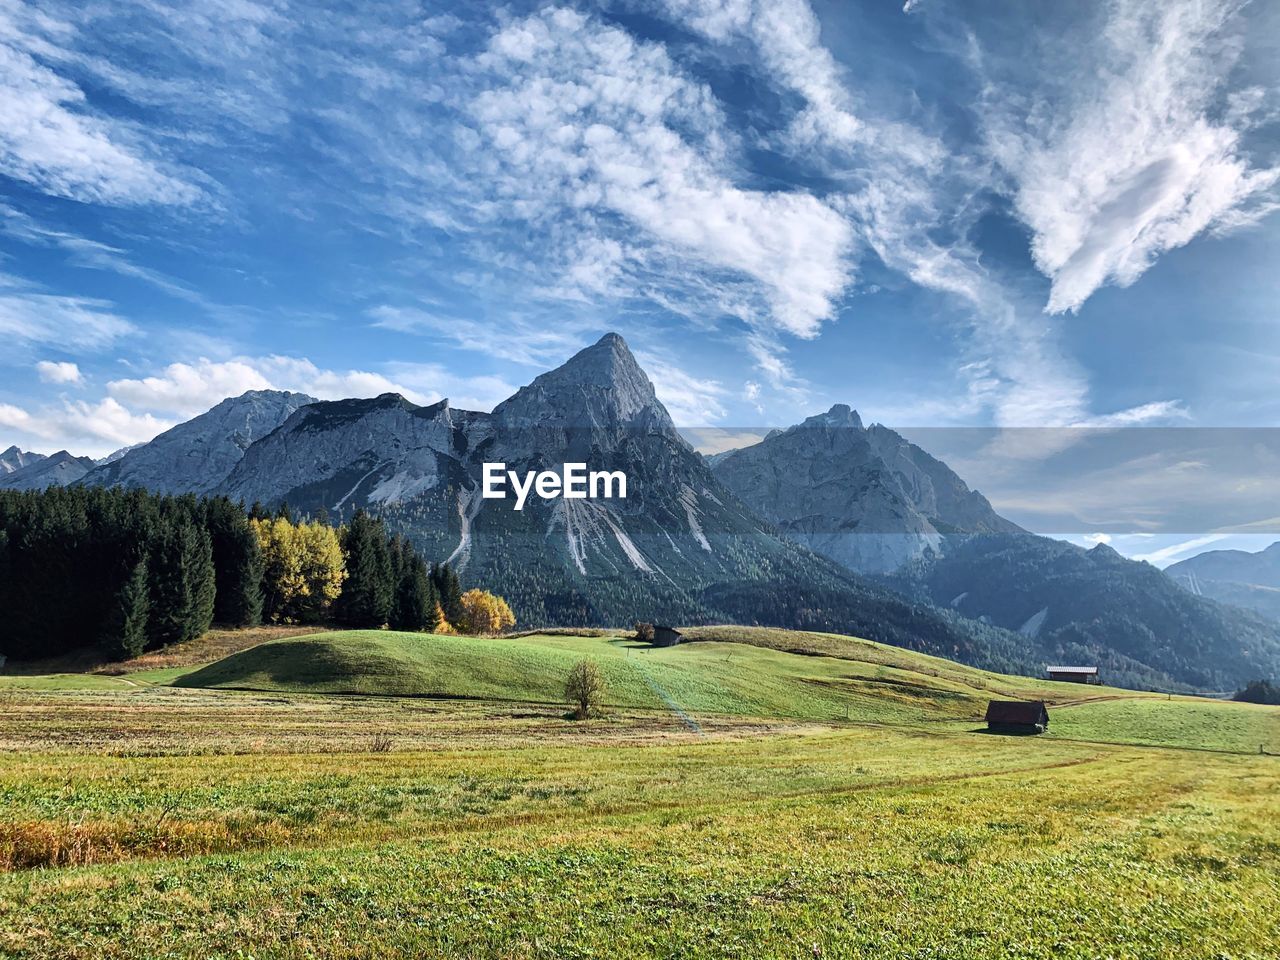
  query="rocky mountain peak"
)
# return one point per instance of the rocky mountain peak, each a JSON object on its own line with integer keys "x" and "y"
{"x": 840, "y": 415}
{"x": 58, "y": 469}
{"x": 197, "y": 455}
{"x": 15, "y": 458}
{"x": 599, "y": 386}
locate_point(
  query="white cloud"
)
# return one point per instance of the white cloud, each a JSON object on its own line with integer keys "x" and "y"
{"x": 135, "y": 410}
{"x": 515, "y": 338}
{"x": 691, "y": 400}
{"x": 1167, "y": 555}
{"x": 29, "y": 317}
{"x": 51, "y": 371}
{"x": 583, "y": 119}
{"x": 433, "y": 382}
{"x": 1123, "y": 160}
{"x": 51, "y": 138}
{"x": 186, "y": 389}
{"x": 86, "y": 429}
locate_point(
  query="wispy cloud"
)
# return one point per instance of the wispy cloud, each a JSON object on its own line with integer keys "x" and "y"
{"x": 691, "y": 400}
{"x": 1119, "y": 151}
{"x": 582, "y": 119}
{"x": 49, "y": 139}
{"x": 30, "y": 317}
{"x": 1179, "y": 551}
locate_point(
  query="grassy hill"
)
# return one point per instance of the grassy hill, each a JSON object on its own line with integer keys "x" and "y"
{"x": 750, "y": 672}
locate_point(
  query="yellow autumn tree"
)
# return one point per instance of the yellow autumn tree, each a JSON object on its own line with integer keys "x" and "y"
{"x": 303, "y": 568}
{"x": 484, "y": 612}
{"x": 442, "y": 624}
{"x": 323, "y": 569}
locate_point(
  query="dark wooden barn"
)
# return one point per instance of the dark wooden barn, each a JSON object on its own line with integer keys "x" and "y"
{"x": 1074, "y": 674}
{"x": 1017, "y": 716}
{"x": 665, "y": 636}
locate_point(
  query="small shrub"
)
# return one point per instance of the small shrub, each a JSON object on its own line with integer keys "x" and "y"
{"x": 644, "y": 631}
{"x": 381, "y": 743}
{"x": 585, "y": 689}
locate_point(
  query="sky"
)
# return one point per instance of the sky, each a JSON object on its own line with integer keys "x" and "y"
{"x": 946, "y": 214}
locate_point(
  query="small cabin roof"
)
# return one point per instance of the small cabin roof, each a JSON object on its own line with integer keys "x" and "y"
{"x": 1084, "y": 670}
{"x": 1017, "y": 711}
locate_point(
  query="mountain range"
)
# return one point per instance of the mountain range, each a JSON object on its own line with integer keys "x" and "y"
{"x": 38, "y": 472}
{"x": 881, "y": 506}
{"x": 1236, "y": 577}
{"x": 827, "y": 525}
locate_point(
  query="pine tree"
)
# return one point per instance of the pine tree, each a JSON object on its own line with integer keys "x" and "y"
{"x": 125, "y": 631}
{"x": 237, "y": 561}
{"x": 431, "y": 623}
{"x": 203, "y": 581}
{"x": 415, "y": 606}
{"x": 449, "y": 589}
{"x": 182, "y": 585}
{"x": 370, "y": 591}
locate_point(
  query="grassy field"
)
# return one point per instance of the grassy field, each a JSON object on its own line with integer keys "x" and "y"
{"x": 754, "y": 793}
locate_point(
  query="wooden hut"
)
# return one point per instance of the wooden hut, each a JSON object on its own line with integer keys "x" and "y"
{"x": 1017, "y": 716}
{"x": 1074, "y": 674}
{"x": 665, "y": 636}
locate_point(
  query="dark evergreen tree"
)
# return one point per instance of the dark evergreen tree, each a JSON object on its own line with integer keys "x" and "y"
{"x": 125, "y": 629}
{"x": 414, "y": 608}
{"x": 449, "y": 590}
{"x": 237, "y": 561}
{"x": 183, "y": 586}
{"x": 369, "y": 591}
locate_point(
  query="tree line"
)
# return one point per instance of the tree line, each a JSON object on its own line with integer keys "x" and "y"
{"x": 133, "y": 571}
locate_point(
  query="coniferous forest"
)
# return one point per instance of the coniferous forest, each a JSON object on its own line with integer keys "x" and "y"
{"x": 130, "y": 571}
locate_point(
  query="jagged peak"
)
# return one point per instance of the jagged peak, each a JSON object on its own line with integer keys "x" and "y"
{"x": 599, "y": 384}
{"x": 605, "y": 363}
{"x": 840, "y": 415}
{"x": 265, "y": 394}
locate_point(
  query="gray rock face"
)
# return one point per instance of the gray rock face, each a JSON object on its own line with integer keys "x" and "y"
{"x": 197, "y": 456}
{"x": 601, "y": 388}
{"x": 355, "y": 452}
{"x": 863, "y": 496}
{"x": 57, "y": 470}
{"x": 15, "y": 459}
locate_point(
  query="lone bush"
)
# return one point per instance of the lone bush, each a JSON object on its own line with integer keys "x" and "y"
{"x": 644, "y": 631}
{"x": 585, "y": 689}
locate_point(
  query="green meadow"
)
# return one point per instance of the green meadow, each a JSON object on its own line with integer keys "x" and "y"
{"x": 752, "y": 793}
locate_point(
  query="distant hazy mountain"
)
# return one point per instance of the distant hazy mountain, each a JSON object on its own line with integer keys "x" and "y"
{"x": 878, "y": 504}
{"x": 862, "y": 496}
{"x": 1237, "y": 577}
{"x": 115, "y": 455}
{"x": 15, "y": 459}
{"x": 1096, "y": 607}
{"x": 196, "y": 456}
{"x": 59, "y": 470}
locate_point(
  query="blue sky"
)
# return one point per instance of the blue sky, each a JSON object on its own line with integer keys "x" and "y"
{"x": 948, "y": 214}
